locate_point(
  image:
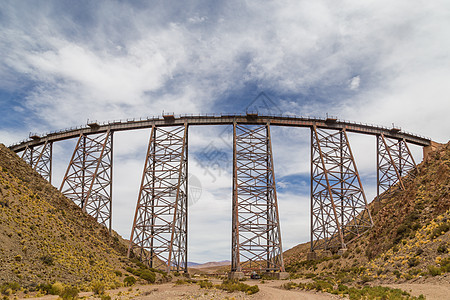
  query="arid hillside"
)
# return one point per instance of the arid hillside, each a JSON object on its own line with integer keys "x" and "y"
{"x": 410, "y": 241}
{"x": 45, "y": 238}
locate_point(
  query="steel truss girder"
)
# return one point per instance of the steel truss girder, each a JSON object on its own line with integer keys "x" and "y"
{"x": 394, "y": 162}
{"x": 159, "y": 233}
{"x": 256, "y": 236}
{"x": 88, "y": 179}
{"x": 40, "y": 159}
{"x": 339, "y": 210}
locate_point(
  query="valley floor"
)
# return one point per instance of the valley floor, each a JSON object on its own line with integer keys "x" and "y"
{"x": 268, "y": 290}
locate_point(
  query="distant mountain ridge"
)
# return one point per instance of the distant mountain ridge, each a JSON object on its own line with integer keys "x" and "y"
{"x": 209, "y": 264}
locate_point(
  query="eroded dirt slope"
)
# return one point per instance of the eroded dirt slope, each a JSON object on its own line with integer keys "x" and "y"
{"x": 44, "y": 237}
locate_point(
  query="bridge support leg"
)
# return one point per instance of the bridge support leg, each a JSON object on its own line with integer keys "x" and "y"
{"x": 40, "y": 159}
{"x": 394, "y": 162}
{"x": 339, "y": 209}
{"x": 256, "y": 237}
{"x": 88, "y": 179}
{"x": 159, "y": 233}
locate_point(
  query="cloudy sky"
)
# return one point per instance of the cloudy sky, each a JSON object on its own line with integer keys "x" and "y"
{"x": 380, "y": 62}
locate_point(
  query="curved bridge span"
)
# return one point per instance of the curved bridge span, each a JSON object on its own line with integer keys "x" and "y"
{"x": 170, "y": 120}
{"x": 339, "y": 208}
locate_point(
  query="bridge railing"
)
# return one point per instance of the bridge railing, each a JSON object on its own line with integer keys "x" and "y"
{"x": 208, "y": 115}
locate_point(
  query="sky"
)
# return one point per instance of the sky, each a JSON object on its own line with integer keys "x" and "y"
{"x": 63, "y": 63}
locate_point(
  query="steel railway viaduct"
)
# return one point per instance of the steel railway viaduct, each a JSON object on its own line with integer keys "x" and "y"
{"x": 339, "y": 208}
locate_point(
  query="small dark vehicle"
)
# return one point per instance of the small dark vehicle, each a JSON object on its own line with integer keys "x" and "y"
{"x": 255, "y": 276}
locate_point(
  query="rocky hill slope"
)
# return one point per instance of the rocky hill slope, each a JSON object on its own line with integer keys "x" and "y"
{"x": 410, "y": 240}
{"x": 45, "y": 238}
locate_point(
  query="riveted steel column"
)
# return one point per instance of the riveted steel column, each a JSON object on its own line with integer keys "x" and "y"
{"x": 326, "y": 228}
{"x": 339, "y": 209}
{"x": 275, "y": 255}
{"x": 88, "y": 178}
{"x": 235, "y": 257}
{"x": 40, "y": 159}
{"x": 159, "y": 233}
{"x": 256, "y": 240}
{"x": 395, "y": 164}
{"x": 178, "y": 240}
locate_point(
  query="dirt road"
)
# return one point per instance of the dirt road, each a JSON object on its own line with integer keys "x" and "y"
{"x": 268, "y": 290}
{"x": 271, "y": 290}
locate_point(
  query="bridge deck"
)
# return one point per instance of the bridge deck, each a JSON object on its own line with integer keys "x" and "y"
{"x": 292, "y": 121}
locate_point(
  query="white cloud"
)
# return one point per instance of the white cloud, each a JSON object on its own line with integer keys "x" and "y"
{"x": 354, "y": 83}
{"x": 197, "y": 19}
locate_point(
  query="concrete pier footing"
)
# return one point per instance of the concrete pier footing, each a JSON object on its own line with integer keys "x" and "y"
{"x": 236, "y": 275}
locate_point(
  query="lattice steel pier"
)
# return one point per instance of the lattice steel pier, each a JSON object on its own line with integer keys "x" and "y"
{"x": 395, "y": 164}
{"x": 256, "y": 237}
{"x": 88, "y": 179}
{"x": 40, "y": 159}
{"x": 339, "y": 210}
{"x": 159, "y": 233}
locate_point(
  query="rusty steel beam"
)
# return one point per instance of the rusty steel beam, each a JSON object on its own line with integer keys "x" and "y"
{"x": 292, "y": 121}
{"x": 326, "y": 230}
{"x": 339, "y": 209}
{"x": 235, "y": 256}
{"x": 395, "y": 164}
{"x": 88, "y": 178}
{"x": 159, "y": 233}
{"x": 40, "y": 159}
{"x": 256, "y": 237}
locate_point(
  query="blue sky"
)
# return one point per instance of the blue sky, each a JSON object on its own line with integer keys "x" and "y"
{"x": 63, "y": 62}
